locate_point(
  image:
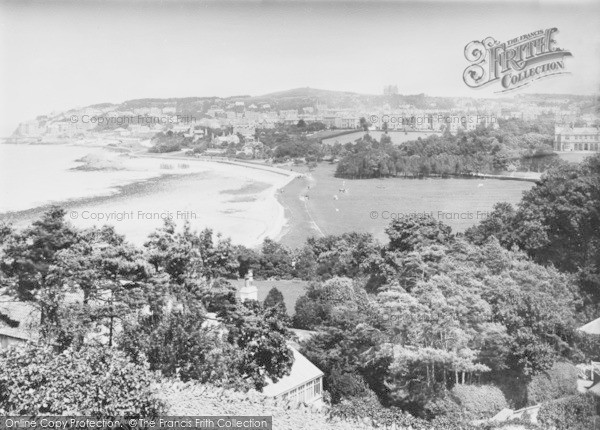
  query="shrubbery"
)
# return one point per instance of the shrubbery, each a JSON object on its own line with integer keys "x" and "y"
{"x": 443, "y": 406}
{"x": 481, "y": 401}
{"x": 559, "y": 381}
{"x": 180, "y": 346}
{"x": 92, "y": 381}
{"x": 569, "y": 413}
{"x": 342, "y": 384}
{"x": 369, "y": 410}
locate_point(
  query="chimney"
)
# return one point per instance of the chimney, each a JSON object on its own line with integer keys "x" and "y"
{"x": 249, "y": 291}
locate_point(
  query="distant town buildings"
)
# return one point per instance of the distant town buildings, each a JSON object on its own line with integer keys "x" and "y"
{"x": 132, "y": 122}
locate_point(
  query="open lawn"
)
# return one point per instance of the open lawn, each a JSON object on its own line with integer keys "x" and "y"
{"x": 318, "y": 205}
{"x": 291, "y": 289}
{"x": 574, "y": 156}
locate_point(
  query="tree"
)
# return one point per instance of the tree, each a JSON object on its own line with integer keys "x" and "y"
{"x": 364, "y": 124}
{"x": 336, "y": 302}
{"x": 500, "y": 223}
{"x": 349, "y": 357}
{"x": 113, "y": 276}
{"x": 308, "y": 313}
{"x": 342, "y": 255}
{"x": 410, "y": 233}
{"x": 260, "y": 335}
{"x": 29, "y": 261}
{"x": 276, "y": 260}
{"x": 275, "y": 299}
{"x": 184, "y": 343}
{"x": 193, "y": 261}
{"x": 557, "y": 223}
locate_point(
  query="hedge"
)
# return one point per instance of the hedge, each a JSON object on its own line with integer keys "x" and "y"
{"x": 479, "y": 401}
{"x": 36, "y": 380}
{"x": 569, "y": 413}
{"x": 560, "y": 381}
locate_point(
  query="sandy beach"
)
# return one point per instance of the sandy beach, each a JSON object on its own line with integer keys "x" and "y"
{"x": 136, "y": 193}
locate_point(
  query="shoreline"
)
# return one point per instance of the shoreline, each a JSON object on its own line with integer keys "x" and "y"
{"x": 275, "y": 230}
{"x": 273, "y": 224}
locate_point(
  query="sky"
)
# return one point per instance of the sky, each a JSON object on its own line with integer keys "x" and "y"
{"x": 62, "y": 54}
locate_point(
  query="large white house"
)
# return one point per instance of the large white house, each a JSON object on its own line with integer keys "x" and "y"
{"x": 577, "y": 139}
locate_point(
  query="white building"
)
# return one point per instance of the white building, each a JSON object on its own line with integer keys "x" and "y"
{"x": 591, "y": 327}
{"x": 305, "y": 381}
{"x": 577, "y": 139}
{"x": 303, "y": 384}
{"x": 249, "y": 290}
{"x": 27, "y": 318}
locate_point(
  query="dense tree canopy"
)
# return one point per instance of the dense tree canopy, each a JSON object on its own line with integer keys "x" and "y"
{"x": 483, "y": 150}
{"x": 557, "y": 223}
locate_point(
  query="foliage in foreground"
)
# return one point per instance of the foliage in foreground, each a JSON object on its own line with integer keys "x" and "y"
{"x": 577, "y": 412}
{"x": 557, "y": 223}
{"x": 92, "y": 381}
{"x": 555, "y": 383}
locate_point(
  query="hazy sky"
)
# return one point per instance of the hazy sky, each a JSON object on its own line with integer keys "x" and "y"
{"x": 57, "y": 55}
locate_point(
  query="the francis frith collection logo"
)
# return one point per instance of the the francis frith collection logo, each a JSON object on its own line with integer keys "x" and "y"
{"x": 515, "y": 63}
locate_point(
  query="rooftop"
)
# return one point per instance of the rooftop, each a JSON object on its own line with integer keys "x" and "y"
{"x": 591, "y": 327}
{"x": 302, "y": 372}
{"x": 25, "y": 314}
{"x": 577, "y": 130}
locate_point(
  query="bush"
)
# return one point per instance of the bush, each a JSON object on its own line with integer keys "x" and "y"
{"x": 569, "y": 413}
{"x": 368, "y": 408}
{"x": 443, "y": 406}
{"x": 179, "y": 346}
{"x": 345, "y": 385}
{"x": 275, "y": 299}
{"x": 481, "y": 401}
{"x": 589, "y": 346}
{"x": 309, "y": 313}
{"x": 559, "y": 381}
{"x": 92, "y": 381}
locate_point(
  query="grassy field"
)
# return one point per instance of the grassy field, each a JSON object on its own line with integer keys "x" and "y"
{"x": 291, "y": 290}
{"x": 574, "y": 157}
{"x": 368, "y": 205}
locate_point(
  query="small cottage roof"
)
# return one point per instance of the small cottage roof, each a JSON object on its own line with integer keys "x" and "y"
{"x": 26, "y": 315}
{"x": 302, "y": 372}
{"x": 591, "y": 327}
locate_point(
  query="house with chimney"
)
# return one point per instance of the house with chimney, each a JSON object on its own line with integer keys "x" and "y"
{"x": 304, "y": 384}
{"x": 577, "y": 139}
